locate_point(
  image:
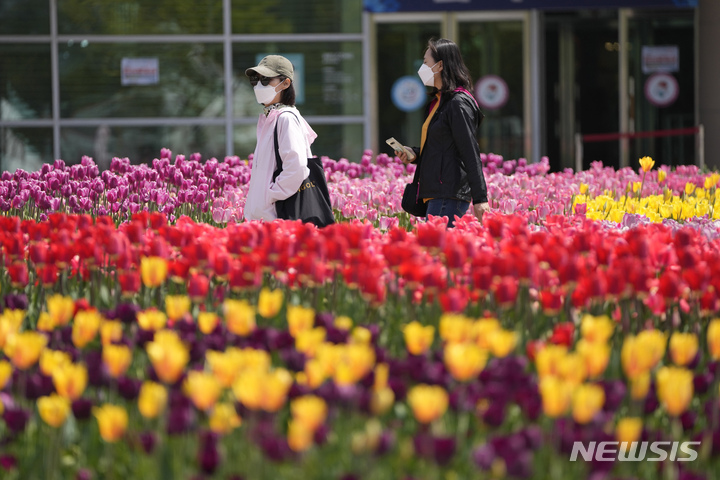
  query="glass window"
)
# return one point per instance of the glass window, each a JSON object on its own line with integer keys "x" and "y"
{"x": 328, "y": 76}
{"x": 313, "y": 16}
{"x": 103, "y": 17}
{"x": 26, "y": 148}
{"x": 25, "y": 17}
{"x": 334, "y": 141}
{"x": 139, "y": 144}
{"x": 402, "y": 97}
{"x": 25, "y": 87}
{"x": 663, "y": 97}
{"x": 493, "y": 53}
{"x": 136, "y": 80}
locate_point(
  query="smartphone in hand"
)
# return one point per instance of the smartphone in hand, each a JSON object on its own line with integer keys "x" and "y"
{"x": 399, "y": 147}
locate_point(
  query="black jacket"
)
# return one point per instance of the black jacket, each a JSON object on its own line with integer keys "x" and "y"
{"x": 450, "y": 165}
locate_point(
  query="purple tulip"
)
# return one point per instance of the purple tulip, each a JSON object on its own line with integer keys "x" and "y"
{"x": 81, "y": 408}
{"x": 15, "y": 418}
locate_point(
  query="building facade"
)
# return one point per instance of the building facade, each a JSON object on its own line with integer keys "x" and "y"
{"x": 127, "y": 78}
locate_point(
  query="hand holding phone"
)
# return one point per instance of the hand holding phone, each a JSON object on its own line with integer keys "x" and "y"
{"x": 399, "y": 147}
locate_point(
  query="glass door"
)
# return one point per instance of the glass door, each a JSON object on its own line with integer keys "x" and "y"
{"x": 662, "y": 84}
{"x": 582, "y": 71}
{"x": 493, "y": 51}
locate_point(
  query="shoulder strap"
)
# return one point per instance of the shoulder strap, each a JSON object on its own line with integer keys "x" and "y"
{"x": 463, "y": 90}
{"x": 278, "y": 160}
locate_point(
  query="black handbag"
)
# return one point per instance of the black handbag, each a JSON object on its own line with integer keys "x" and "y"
{"x": 411, "y": 201}
{"x": 311, "y": 203}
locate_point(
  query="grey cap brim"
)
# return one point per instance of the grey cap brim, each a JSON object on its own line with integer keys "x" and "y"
{"x": 261, "y": 70}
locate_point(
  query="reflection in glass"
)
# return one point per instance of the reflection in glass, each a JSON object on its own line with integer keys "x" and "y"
{"x": 328, "y": 76}
{"x": 26, "y": 148}
{"x": 24, "y": 17}
{"x": 139, "y": 144}
{"x": 118, "y": 17}
{"x": 280, "y": 16}
{"x": 25, "y": 89}
{"x": 495, "y": 48}
{"x": 189, "y": 80}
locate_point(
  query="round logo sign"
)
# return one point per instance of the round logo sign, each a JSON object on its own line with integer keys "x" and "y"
{"x": 661, "y": 89}
{"x": 492, "y": 92}
{"x": 408, "y": 93}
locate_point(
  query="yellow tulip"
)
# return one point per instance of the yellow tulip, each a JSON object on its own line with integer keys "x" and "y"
{"x": 548, "y": 359}
{"x": 239, "y": 317}
{"x": 61, "y": 309}
{"x": 299, "y": 319}
{"x": 710, "y": 182}
{"x": 596, "y": 329}
{"x": 225, "y": 365}
{"x": 51, "y": 360}
{"x": 343, "y": 323}
{"x": 176, "y": 306}
{"x": 646, "y": 163}
{"x": 428, "y": 402}
{"x": 381, "y": 400}
{"x": 689, "y": 188}
{"x": 571, "y": 368}
{"x": 308, "y": 341}
{"x": 5, "y": 373}
{"x": 207, "y": 321}
{"x": 315, "y": 373}
{"x": 152, "y": 319}
{"x": 595, "y": 355}
{"x": 683, "y": 348}
{"x": 713, "y": 338}
{"x": 418, "y": 338}
{"x": 483, "y": 329}
{"x": 112, "y": 421}
{"x": 654, "y": 341}
{"x": 85, "y": 327}
{"x": 224, "y": 418}
{"x": 636, "y": 186}
{"x": 454, "y": 327}
{"x": 353, "y": 362}
{"x": 502, "y": 342}
{"x": 110, "y": 331}
{"x": 674, "y": 389}
{"x": 382, "y": 373}
{"x": 53, "y": 409}
{"x": 628, "y": 429}
{"x": 152, "y": 399}
{"x": 299, "y": 437}
{"x": 662, "y": 174}
{"x": 117, "y": 359}
{"x": 70, "y": 380}
{"x": 270, "y": 302}
{"x": 45, "y": 322}
{"x": 263, "y": 390}
{"x": 587, "y": 401}
{"x": 153, "y": 271}
{"x": 583, "y": 188}
{"x": 168, "y": 355}
{"x": 556, "y": 395}
{"x": 10, "y": 321}
{"x": 639, "y": 386}
{"x": 24, "y": 348}
{"x": 310, "y": 410}
{"x": 202, "y": 389}
{"x": 360, "y": 335}
{"x": 464, "y": 361}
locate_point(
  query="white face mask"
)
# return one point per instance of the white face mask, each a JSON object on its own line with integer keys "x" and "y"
{"x": 264, "y": 94}
{"x": 427, "y": 75}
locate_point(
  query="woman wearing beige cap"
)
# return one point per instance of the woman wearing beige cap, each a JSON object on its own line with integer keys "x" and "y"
{"x": 272, "y": 81}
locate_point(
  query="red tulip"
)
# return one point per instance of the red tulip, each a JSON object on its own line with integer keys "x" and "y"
{"x": 506, "y": 291}
{"x": 222, "y": 264}
{"x": 18, "y": 272}
{"x": 157, "y": 220}
{"x": 198, "y": 286}
{"x": 47, "y": 274}
{"x": 670, "y": 285}
{"x": 454, "y": 299}
{"x": 39, "y": 252}
{"x": 563, "y": 334}
{"x": 552, "y": 300}
{"x": 129, "y": 281}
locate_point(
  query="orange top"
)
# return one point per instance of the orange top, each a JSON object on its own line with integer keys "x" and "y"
{"x": 427, "y": 122}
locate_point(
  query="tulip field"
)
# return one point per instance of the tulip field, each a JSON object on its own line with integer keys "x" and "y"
{"x": 147, "y": 332}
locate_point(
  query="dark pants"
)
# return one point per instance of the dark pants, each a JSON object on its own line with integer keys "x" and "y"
{"x": 447, "y": 207}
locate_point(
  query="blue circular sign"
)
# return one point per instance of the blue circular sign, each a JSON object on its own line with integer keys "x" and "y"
{"x": 408, "y": 93}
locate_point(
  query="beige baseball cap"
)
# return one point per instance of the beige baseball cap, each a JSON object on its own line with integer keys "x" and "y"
{"x": 272, "y": 66}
